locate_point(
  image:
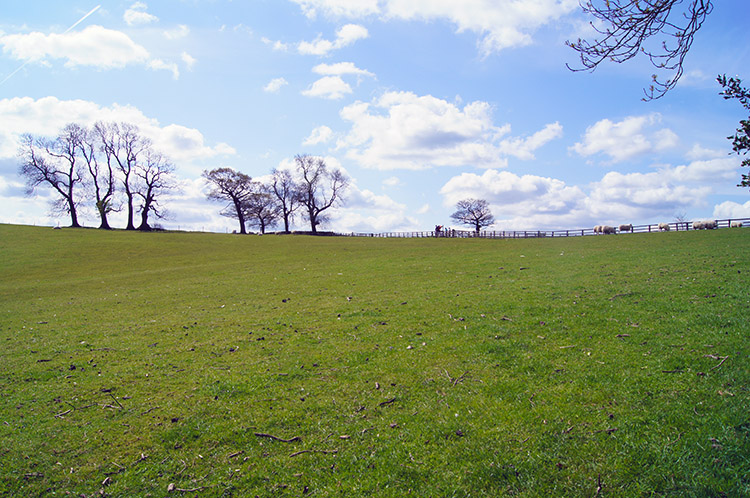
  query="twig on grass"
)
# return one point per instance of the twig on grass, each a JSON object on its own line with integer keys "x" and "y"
{"x": 115, "y": 399}
{"x": 387, "y": 402}
{"x": 723, "y": 359}
{"x": 150, "y": 410}
{"x": 326, "y": 452}
{"x": 675, "y": 441}
{"x": 295, "y": 438}
{"x": 60, "y": 415}
{"x": 236, "y": 453}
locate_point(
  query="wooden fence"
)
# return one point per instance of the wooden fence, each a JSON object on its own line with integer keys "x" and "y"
{"x": 675, "y": 226}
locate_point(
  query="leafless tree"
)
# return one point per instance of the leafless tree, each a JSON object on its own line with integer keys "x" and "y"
{"x": 261, "y": 208}
{"x": 287, "y": 194}
{"x": 474, "y": 212}
{"x": 54, "y": 163}
{"x": 319, "y": 188}
{"x": 102, "y": 176}
{"x": 122, "y": 145}
{"x": 233, "y": 186}
{"x": 662, "y": 30}
{"x": 154, "y": 178}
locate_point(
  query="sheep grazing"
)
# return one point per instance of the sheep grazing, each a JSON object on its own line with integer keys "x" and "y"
{"x": 598, "y": 229}
{"x": 705, "y": 225}
{"x": 606, "y": 229}
{"x": 626, "y": 228}
{"x": 663, "y": 227}
{"x": 736, "y": 224}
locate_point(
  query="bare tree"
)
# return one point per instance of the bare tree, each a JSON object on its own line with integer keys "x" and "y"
{"x": 233, "y": 186}
{"x": 102, "y": 177}
{"x": 261, "y": 208}
{"x": 733, "y": 89}
{"x": 122, "y": 145}
{"x": 669, "y": 26}
{"x": 287, "y": 194}
{"x": 154, "y": 178}
{"x": 319, "y": 188}
{"x": 474, "y": 212}
{"x": 54, "y": 163}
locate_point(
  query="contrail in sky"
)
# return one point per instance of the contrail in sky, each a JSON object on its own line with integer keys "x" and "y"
{"x": 73, "y": 26}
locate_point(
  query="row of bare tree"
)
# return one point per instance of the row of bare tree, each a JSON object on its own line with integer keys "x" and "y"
{"x": 110, "y": 165}
{"x": 312, "y": 188}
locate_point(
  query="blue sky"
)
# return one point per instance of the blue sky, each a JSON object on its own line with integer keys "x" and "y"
{"x": 421, "y": 102}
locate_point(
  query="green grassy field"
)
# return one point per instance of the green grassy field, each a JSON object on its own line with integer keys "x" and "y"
{"x": 180, "y": 364}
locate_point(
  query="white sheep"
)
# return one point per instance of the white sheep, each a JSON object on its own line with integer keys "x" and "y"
{"x": 698, "y": 225}
{"x": 736, "y": 224}
{"x": 606, "y": 229}
{"x": 710, "y": 224}
{"x": 626, "y": 228}
{"x": 663, "y": 227}
{"x": 598, "y": 229}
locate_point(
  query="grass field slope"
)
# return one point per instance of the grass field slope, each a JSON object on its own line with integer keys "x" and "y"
{"x": 191, "y": 364}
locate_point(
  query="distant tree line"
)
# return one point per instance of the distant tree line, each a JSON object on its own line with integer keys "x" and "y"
{"x": 310, "y": 190}
{"x": 111, "y": 166}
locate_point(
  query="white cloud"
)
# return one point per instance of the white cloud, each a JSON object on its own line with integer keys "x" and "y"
{"x": 328, "y": 87}
{"x": 46, "y": 116}
{"x": 340, "y": 69}
{"x": 345, "y": 36}
{"x": 276, "y": 45}
{"x": 392, "y": 181}
{"x": 634, "y": 136}
{"x": 137, "y": 14}
{"x": 499, "y": 24}
{"x": 189, "y": 60}
{"x": 523, "y": 148}
{"x": 366, "y": 211}
{"x": 180, "y": 31}
{"x": 730, "y": 209}
{"x": 275, "y": 85}
{"x": 158, "y": 64}
{"x": 339, "y": 8}
{"x": 93, "y": 46}
{"x": 403, "y": 130}
{"x": 321, "y": 134}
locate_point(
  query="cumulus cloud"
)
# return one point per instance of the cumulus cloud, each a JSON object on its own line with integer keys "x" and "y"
{"x": 341, "y": 69}
{"x": 46, "y": 116}
{"x": 339, "y": 8}
{"x": 137, "y": 14}
{"x": 368, "y": 212}
{"x": 730, "y": 209}
{"x": 321, "y": 134}
{"x": 499, "y": 24}
{"x": 189, "y": 60}
{"x": 401, "y": 130}
{"x": 328, "y": 87}
{"x": 275, "y": 85}
{"x": 345, "y": 36}
{"x": 392, "y": 181}
{"x": 180, "y": 31}
{"x": 523, "y": 202}
{"x": 633, "y": 136}
{"x": 93, "y": 46}
{"x": 523, "y": 148}
{"x": 158, "y": 64}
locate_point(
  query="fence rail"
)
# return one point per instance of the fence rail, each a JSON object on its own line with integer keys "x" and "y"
{"x": 676, "y": 226}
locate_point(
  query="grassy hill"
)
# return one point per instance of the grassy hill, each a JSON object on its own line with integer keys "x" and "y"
{"x": 222, "y": 365}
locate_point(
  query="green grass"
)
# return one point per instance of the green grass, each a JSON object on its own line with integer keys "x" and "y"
{"x": 589, "y": 366}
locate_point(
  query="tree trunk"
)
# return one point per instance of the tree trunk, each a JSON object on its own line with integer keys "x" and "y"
{"x": 131, "y": 225}
{"x": 144, "y": 219}
{"x": 73, "y": 214}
